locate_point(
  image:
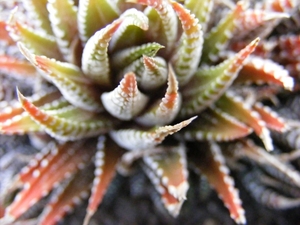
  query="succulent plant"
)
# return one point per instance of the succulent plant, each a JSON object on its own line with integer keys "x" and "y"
{"x": 158, "y": 85}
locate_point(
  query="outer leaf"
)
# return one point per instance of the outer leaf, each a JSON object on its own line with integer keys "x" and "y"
{"x": 21, "y": 124}
{"x": 68, "y": 78}
{"x": 12, "y": 65}
{"x": 107, "y": 156}
{"x": 168, "y": 18}
{"x": 132, "y": 139}
{"x": 268, "y": 196}
{"x": 258, "y": 70}
{"x": 237, "y": 108}
{"x": 4, "y": 34}
{"x": 215, "y": 125}
{"x": 172, "y": 204}
{"x": 211, "y": 163}
{"x": 201, "y": 9}
{"x": 209, "y": 84}
{"x": 67, "y": 197}
{"x": 38, "y": 43}
{"x": 63, "y": 18}
{"x": 248, "y": 149}
{"x": 67, "y": 157}
{"x": 271, "y": 118}
{"x": 104, "y": 12}
{"x": 171, "y": 169}
{"x": 217, "y": 39}
{"x": 254, "y": 18}
{"x": 187, "y": 57}
{"x": 14, "y": 108}
{"x": 125, "y": 101}
{"x": 164, "y": 111}
{"x": 38, "y": 13}
{"x": 94, "y": 57}
{"x": 64, "y": 129}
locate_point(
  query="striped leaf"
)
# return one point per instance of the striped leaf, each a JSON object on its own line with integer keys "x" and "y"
{"x": 68, "y": 157}
{"x": 211, "y": 163}
{"x": 133, "y": 139}
{"x": 125, "y": 101}
{"x": 187, "y": 56}
{"x": 168, "y": 20}
{"x": 106, "y": 159}
{"x": 215, "y": 125}
{"x": 217, "y": 39}
{"x": 210, "y": 83}
{"x": 68, "y": 79}
{"x": 104, "y": 12}
{"x": 165, "y": 110}
{"x": 63, "y": 18}
{"x": 95, "y": 63}
{"x": 37, "y": 10}
{"x": 67, "y": 129}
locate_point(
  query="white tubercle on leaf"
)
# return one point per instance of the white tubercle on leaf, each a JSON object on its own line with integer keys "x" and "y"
{"x": 165, "y": 110}
{"x": 125, "y": 101}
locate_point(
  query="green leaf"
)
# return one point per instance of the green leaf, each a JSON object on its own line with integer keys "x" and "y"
{"x": 209, "y": 83}
{"x": 89, "y": 11}
{"x": 63, "y": 18}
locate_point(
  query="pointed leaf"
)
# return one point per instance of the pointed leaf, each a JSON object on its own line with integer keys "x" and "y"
{"x": 68, "y": 78}
{"x": 209, "y": 84}
{"x": 248, "y": 149}
{"x": 67, "y": 197}
{"x": 63, "y": 18}
{"x": 21, "y": 68}
{"x": 271, "y": 118}
{"x": 104, "y": 12}
{"x": 64, "y": 129}
{"x": 254, "y": 18}
{"x": 201, "y": 9}
{"x": 165, "y": 110}
{"x": 132, "y": 139}
{"x": 236, "y": 107}
{"x": 215, "y": 125}
{"x": 217, "y": 39}
{"x": 155, "y": 74}
{"x": 21, "y": 124}
{"x": 125, "y": 101}
{"x": 187, "y": 57}
{"x": 107, "y": 156}
{"x": 168, "y": 18}
{"x": 171, "y": 169}
{"x": 95, "y": 62}
{"x": 127, "y": 56}
{"x": 39, "y": 43}
{"x": 258, "y": 70}
{"x": 67, "y": 157}
{"x": 14, "y": 108}
{"x": 38, "y": 13}
{"x": 211, "y": 163}
{"x": 172, "y": 204}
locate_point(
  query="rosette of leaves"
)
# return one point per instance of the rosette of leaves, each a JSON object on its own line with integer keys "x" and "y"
{"x": 152, "y": 84}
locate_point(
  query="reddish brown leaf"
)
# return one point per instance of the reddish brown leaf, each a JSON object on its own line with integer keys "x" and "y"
{"x": 63, "y": 160}
{"x": 107, "y": 156}
{"x": 209, "y": 160}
